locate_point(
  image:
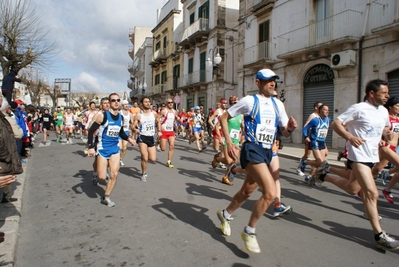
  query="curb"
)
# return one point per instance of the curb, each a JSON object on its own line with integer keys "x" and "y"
{"x": 10, "y": 218}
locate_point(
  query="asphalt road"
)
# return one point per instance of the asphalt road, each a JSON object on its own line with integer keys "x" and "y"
{"x": 171, "y": 220}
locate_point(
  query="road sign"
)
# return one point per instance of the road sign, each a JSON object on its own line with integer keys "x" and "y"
{"x": 176, "y": 99}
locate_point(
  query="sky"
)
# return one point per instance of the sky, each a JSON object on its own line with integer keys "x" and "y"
{"x": 93, "y": 36}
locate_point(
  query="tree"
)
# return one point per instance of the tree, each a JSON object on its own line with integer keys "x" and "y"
{"x": 54, "y": 93}
{"x": 82, "y": 99}
{"x": 22, "y": 38}
{"x": 35, "y": 87}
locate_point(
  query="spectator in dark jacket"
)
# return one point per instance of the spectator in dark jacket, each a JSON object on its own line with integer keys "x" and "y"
{"x": 7, "y": 86}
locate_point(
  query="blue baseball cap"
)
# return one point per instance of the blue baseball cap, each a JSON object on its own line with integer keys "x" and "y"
{"x": 266, "y": 74}
{"x": 196, "y": 108}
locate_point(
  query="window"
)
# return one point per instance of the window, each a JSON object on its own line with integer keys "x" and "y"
{"x": 203, "y": 11}
{"x": 264, "y": 31}
{"x": 190, "y": 65}
{"x": 192, "y": 18}
{"x": 165, "y": 42}
{"x": 322, "y": 14}
{"x": 203, "y": 66}
{"x": 163, "y": 77}
{"x": 157, "y": 45}
{"x": 156, "y": 80}
{"x": 176, "y": 75}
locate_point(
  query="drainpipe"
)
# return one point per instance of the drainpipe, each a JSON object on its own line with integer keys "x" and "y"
{"x": 360, "y": 68}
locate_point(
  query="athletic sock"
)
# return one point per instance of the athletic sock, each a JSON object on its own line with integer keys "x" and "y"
{"x": 249, "y": 230}
{"x": 377, "y": 236}
{"x": 226, "y": 215}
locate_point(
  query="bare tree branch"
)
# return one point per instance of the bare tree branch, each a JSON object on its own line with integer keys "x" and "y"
{"x": 22, "y": 38}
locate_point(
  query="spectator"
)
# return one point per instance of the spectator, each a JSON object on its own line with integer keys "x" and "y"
{"x": 7, "y": 86}
{"x": 10, "y": 163}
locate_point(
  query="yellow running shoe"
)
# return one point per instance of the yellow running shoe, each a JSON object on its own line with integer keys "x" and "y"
{"x": 169, "y": 164}
{"x": 251, "y": 243}
{"x": 224, "y": 223}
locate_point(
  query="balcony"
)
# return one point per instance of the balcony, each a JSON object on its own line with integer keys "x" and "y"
{"x": 131, "y": 51}
{"x": 344, "y": 27}
{"x": 138, "y": 70}
{"x": 196, "y": 32}
{"x": 159, "y": 57}
{"x": 130, "y": 67}
{"x": 130, "y": 84}
{"x": 383, "y": 16}
{"x": 194, "y": 78}
{"x": 131, "y": 35}
{"x": 260, "y": 53}
{"x": 254, "y": 6}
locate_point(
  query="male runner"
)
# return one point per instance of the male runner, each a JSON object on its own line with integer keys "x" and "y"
{"x": 262, "y": 116}
{"x": 68, "y": 122}
{"x": 362, "y": 125}
{"x": 59, "y": 123}
{"x": 110, "y": 128}
{"x": 46, "y": 120}
{"x": 127, "y": 121}
{"x": 167, "y": 117}
{"x": 146, "y": 120}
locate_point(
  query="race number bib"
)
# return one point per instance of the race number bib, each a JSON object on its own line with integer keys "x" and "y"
{"x": 322, "y": 133}
{"x": 265, "y": 133}
{"x": 60, "y": 117}
{"x": 113, "y": 131}
{"x": 395, "y": 128}
{"x": 234, "y": 134}
{"x": 46, "y": 119}
{"x": 149, "y": 127}
{"x": 169, "y": 127}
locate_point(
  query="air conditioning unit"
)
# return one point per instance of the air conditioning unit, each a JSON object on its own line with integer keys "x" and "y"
{"x": 343, "y": 59}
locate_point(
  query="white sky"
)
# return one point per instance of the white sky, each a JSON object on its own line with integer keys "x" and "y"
{"x": 93, "y": 35}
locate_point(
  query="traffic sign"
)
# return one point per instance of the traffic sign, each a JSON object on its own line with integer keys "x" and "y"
{"x": 176, "y": 99}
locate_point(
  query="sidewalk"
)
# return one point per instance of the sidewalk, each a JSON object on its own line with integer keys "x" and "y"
{"x": 10, "y": 217}
{"x": 295, "y": 152}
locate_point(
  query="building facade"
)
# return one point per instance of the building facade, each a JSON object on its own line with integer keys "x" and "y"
{"x": 323, "y": 50}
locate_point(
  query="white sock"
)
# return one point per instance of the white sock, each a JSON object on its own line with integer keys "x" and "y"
{"x": 249, "y": 230}
{"x": 226, "y": 215}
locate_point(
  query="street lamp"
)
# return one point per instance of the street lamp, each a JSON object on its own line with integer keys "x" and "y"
{"x": 217, "y": 60}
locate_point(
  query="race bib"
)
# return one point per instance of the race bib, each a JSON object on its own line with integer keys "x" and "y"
{"x": 395, "y": 128}
{"x": 113, "y": 131}
{"x": 46, "y": 119}
{"x": 322, "y": 133}
{"x": 149, "y": 127}
{"x": 60, "y": 117}
{"x": 234, "y": 134}
{"x": 265, "y": 133}
{"x": 169, "y": 127}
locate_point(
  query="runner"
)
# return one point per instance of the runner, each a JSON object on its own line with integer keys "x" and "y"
{"x": 110, "y": 128}
{"x": 59, "y": 123}
{"x": 216, "y": 131}
{"x": 306, "y": 154}
{"x": 127, "y": 121}
{"x": 145, "y": 123}
{"x": 315, "y": 133}
{"x": 68, "y": 122}
{"x": 262, "y": 116}
{"x": 197, "y": 130}
{"x": 167, "y": 117}
{"x": 92, "y": 110}
{"x": 183, "y": 122}
{"x": 47, "y": 121}
{"x": 365, "y": 123}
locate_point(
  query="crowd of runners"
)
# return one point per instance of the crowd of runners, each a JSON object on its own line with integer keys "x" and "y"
{"x": 244, "y": 136}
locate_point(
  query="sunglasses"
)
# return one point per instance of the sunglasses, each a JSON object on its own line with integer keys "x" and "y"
{"x": 223, "y": 102}
{"x": 169, "y": 102}
{"x": 115, "y": 100}
{"x": 275, "y": 95}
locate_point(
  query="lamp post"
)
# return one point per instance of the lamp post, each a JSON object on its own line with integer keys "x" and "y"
{"x": 217, "y": 59}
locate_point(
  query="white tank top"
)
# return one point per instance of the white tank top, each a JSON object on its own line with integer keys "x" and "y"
{"x": 168, "y": 122}
{"x": 69, "y": 120}
{"x": 126, "y": 120}
{"x": 147, "y": 124}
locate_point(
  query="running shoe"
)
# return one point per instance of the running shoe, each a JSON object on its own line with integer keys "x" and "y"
{"x": 232, "y": 172}
{"x": 215, "y": 160}
{"x": 250, "y": 241}
{"x": 95, "y": 181}
{"x": 222, "y": 166}
{"x": 319, "y": 177}
{"x": 44, "y": 142}
{"x": 107, "y": 177}
{"x": 169, "y": 164}
{"x": 226, "y": 180}
{"x": 386, "y": 242}
{"x": 339, "y": 156}
{"x": 143, "y": 177}
{"x": 301, "y": 167}
{"x": 366, "y": 217}
{"x": 107, "y": 201}
{"x": 58, "y": 139}
{"x": 67, "y": 141}
{"x": 224, "y": 223}
{"x": 388, "y": 195}
{"x": 158, "y": 148}
{"x": 121, "y": 163}
{"x": 282, "y": 209}
{"x": 384, "y": 176}
{"x": 325, "y": 167}
{"x": 307, "y": 178}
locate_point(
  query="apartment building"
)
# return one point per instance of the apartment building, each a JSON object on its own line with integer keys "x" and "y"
{"x": 323, "y": 50}
{"x": 140, "y": 52}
